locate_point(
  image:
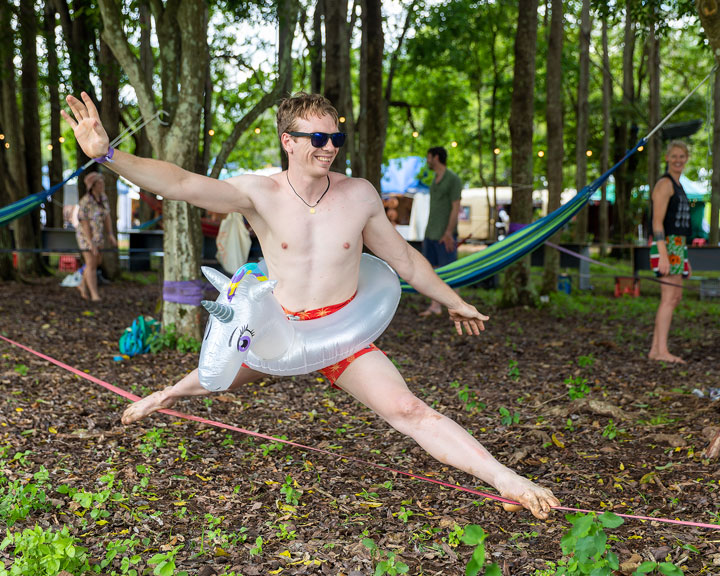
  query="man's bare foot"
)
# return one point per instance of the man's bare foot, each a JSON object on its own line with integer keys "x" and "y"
{"x": 430, "y": 311}
{"x": 667, "y": 357}
{"x": 145, "y": 406}
{"x": 535, "y": 498}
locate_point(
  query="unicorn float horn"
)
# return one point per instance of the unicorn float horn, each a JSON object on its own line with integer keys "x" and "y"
{"x": 217, "y": 279}
{"x": 222, "y": 312}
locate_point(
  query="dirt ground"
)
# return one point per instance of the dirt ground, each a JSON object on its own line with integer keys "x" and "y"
{"x": 205, "y": 496}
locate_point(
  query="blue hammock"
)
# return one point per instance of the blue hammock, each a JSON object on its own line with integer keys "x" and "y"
{"x": 29, "y": 203}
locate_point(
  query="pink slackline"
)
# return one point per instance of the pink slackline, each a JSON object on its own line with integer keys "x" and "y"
{"x": 135, "y": 398}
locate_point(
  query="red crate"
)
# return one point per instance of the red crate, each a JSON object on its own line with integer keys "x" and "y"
{"x": 627, "y": 285}
{"x": 68, "y": 263}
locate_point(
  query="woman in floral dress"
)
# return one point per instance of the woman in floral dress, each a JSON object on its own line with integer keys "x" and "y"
{"x": 93, "y": 228}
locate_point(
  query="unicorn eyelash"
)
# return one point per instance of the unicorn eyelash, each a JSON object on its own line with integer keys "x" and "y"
{"x": 246, "y": 328}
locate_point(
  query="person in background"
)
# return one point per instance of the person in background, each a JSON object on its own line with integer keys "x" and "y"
{"x": 93, "y": 228}
{"x": 668, "y": 253}
{"x": 440, "y": 242}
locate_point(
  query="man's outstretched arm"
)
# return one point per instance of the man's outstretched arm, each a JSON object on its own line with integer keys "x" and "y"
{"x": 158, "y": 177}
{"x": 382, "y": 238}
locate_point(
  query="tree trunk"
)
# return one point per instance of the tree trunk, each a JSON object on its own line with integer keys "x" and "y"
{"x": 336, "y": 66}
{"x": 110, "y": 118}
{"x": 28, "y": 28}
{"x": 372, "y": 106}
{"x": 79, "y": 35}
{"x": 714, "y": 238}
{"x": 516, "y": 289}
{"x": 7, "y": 271}
{"x": 622, "y": 176}
{"x": 605, "y": 154}
{"x": 315, "y": 49}
{"x": 287, "y": 15}
{"x": 55, "y": 166}
{"x": 207, "y": 119}
{"x": 182, "y": 40}
{"x": 583, "y": 119}
{"x": 555, "y": 148}
{"x": 143, "y": 148}
{"x": 15, "y": 147}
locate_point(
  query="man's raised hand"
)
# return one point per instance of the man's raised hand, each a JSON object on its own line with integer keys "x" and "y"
{"x": 86, "y": 125}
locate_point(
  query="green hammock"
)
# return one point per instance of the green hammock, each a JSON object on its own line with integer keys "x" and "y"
{"x": 500, "y": 255}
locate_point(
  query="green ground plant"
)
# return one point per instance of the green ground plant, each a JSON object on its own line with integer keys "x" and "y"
{"x": 385, "y": 562}
{"x": 39, "y": 551}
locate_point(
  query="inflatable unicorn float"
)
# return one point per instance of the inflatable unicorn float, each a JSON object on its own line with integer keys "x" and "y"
{"x": 247, "y": 325}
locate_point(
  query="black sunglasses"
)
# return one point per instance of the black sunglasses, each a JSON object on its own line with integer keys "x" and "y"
{"x": 319, "y": 139}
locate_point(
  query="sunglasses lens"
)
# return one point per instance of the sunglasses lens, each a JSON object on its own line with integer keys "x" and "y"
{"x": 319, "y": 139}
{"x": 338, "y": 139}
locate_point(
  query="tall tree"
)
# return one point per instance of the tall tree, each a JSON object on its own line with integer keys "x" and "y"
{"x": 603, "y": 219}
{"x": 555, "y": 147}
{"x": 14, "y": 141}
{"x": 710, "y": 19}
{"x": 79, "y": 24}
{"x": 55, "y": 167}
{"x": 714, "y": 238}
{"x": 28, "y": 28}
{"x": 622, "y": 176}
{"x": 287, "y": 14}
{"x": 516, "y": 289}
{"x": 583, "y": 118}
{"x": 654, "y": 144}
{"x": 110, "y": 118}
{"x": 182, "y": 57}
{"x": 337, "y": 67}
{"x": 371, "y": 120}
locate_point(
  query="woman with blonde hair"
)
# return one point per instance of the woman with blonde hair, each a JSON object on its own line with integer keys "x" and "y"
{"x": 93, "y": 227}
{"x": 668, "y": 253}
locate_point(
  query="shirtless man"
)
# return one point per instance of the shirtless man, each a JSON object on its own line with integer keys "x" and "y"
{"x": 312, "y": 224}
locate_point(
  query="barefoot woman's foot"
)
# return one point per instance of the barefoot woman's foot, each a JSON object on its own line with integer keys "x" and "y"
{"x": 535, "y": 498}
{"x": 83, "y": 292}
{"x": 667, "y": 357}
{"x": 145, "y": 406}
{"x": 430, "y": 312}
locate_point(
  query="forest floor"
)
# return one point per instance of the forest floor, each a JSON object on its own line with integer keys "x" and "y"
{"x": 173, "y": 495}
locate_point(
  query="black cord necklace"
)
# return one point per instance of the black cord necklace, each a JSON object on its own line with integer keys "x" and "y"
{"x": 311, "y": 206}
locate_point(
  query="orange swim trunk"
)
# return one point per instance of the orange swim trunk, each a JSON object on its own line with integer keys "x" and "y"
{"x": 332, "y": 373}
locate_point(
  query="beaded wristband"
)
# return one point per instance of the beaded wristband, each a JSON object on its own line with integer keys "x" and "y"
{"x": 107, "y": 157}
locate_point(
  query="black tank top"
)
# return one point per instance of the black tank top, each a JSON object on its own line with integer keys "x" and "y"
{"x": 677, "y": 216}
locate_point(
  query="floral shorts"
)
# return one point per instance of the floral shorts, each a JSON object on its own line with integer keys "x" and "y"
{"x": 677, "y": 253}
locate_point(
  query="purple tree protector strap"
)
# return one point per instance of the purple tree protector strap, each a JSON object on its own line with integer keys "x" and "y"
{"x": 185, "y": 291}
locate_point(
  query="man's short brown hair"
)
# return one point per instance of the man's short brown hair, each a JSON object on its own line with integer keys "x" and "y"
{"x": 302, "y": 105}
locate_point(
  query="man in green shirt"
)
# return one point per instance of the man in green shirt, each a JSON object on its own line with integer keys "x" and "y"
{"x": 440, "y": 242}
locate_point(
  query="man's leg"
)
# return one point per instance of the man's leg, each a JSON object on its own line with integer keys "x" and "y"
{"x": 670, "y": 296}
{"x": 373, "y": 380}
{"x": 188, "y": 386}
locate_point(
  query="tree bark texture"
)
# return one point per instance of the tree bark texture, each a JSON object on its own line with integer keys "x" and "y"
{"x": 622, "y": 175}
{"x": 715, "y": 179}
{"x": 709, "y": 12}
{"x": 337, "y": 66}
{"x": 182, "y": 55}
{"x": 654, "y": 144}
{"x": 55, "y": 166}
{"x": 555, "y": 147}
{"x": 287, "y": 15}
{"x": 28, "y": 28}
{"x": 604, "y": 223}
{"x": 372, "y": 109}
{"x": 110, "y": 118}
{"x": 516, "y": 289}
{"x": 316, "y": 49}
{"x": 16, "y": 174}
{"x": 583, "y": 119}
{"x": 79, "y": 34}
